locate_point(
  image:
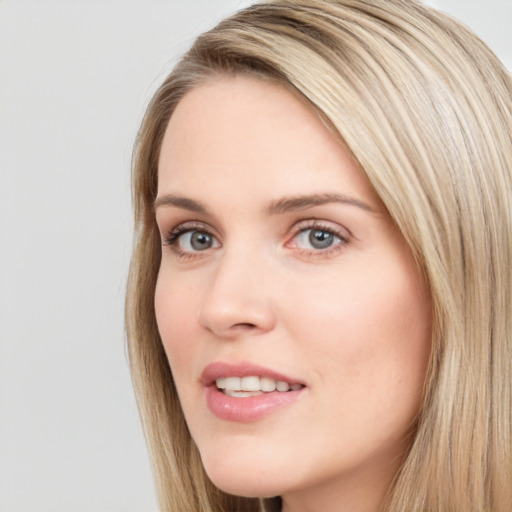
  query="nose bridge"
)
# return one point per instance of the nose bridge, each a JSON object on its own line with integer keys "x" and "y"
{"x": 238, "y": 298}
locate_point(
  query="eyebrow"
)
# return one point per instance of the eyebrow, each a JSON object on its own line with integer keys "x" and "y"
{"x": 184, "y": 203}
{"x": 279, "y": 206}
{"x": 302, "y": 202}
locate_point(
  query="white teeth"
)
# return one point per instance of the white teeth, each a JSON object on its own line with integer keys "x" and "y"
{"x": 250, "y": 383}
{"x": 282, "y": 386}
{"x": 233, "y": 383}
{"x": 242, "y": 394}
{"x": 253, "y": 385}
{"x": 267, "y": 384}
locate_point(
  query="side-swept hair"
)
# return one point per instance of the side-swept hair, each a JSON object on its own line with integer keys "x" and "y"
{"x": 426, "y": 109}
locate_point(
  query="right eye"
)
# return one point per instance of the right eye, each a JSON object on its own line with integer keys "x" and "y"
{"x": 191, "y": 241}
{"x": 187, "y": 241}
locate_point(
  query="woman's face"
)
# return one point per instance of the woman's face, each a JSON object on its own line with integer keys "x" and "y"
{"x": 281, "y": 267}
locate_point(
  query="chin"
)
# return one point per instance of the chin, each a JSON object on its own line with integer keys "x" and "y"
{"x": 248, "y": 486}
{"x": 242, "y": 476}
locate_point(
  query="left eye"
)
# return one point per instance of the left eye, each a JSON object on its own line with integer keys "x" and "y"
{"x": 317, "y": 238}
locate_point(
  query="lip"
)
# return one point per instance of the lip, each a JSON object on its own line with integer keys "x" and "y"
{"x": 246, "y": 409}
{"x": 243, "y": 369}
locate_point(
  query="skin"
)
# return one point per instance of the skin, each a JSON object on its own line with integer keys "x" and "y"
{"x": 351, "y": 321}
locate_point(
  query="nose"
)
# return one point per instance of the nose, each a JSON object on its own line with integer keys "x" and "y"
{"x": 238, "y": 301}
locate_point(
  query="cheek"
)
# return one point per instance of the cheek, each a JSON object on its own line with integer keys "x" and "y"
{"x": 176, "y": 310}
{"x": 372, "y": 333}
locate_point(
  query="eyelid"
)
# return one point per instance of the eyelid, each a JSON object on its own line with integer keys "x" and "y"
{"x": 183, "y": 227}
{"x": 315, "y": 223}
{"x": 311, "y": 224}
{"x": 171, "y": 240}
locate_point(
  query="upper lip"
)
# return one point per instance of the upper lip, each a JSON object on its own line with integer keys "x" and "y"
{"x": 219, "y": 369}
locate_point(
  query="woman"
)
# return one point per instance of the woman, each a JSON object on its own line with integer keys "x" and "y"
{"x": 318, "y": 308}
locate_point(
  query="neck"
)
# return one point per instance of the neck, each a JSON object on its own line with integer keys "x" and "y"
{"x": 353, "y": 494}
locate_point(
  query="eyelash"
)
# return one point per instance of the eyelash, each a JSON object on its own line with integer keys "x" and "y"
{"x": 173, "y": 238}
{"x": 309, "y": 225}
{"x": 315, "y": 225}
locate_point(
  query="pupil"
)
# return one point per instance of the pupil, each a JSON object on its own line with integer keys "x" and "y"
{"x": 200, "y": 241}
{"x": 320, "y": 239}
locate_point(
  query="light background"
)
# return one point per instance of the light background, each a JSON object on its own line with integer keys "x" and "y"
{"x": 75, "y": 76}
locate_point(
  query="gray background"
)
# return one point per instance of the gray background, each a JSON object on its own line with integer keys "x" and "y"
{"x": 75, "y": 77}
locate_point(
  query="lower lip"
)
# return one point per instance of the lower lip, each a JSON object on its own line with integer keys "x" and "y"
{"x": 247, "y": 409}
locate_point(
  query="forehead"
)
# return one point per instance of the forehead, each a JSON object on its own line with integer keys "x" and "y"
{"x": 235, "y": 113}
{"x": 246, "y": 132}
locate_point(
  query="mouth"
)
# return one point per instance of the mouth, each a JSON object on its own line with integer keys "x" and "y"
{"x": 245, "y": 392}
{"x": 252, "y": 385}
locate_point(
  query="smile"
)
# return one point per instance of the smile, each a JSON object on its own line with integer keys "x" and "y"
{"x": 242, "y": 387}
{"x": 244, "y": 392}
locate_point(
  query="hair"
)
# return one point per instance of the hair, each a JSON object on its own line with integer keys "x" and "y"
{"x": 426, "y": 109}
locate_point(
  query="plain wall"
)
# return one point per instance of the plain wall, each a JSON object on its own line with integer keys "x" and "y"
{"x": 75, "y": 76}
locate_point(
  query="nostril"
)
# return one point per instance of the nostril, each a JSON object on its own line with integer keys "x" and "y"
{"x": 245, "y": 326}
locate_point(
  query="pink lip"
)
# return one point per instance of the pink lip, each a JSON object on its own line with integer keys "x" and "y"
{"x": 245, "y": 409}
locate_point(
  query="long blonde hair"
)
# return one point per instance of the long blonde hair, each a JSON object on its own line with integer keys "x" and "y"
{"x": 426, "y": 109}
